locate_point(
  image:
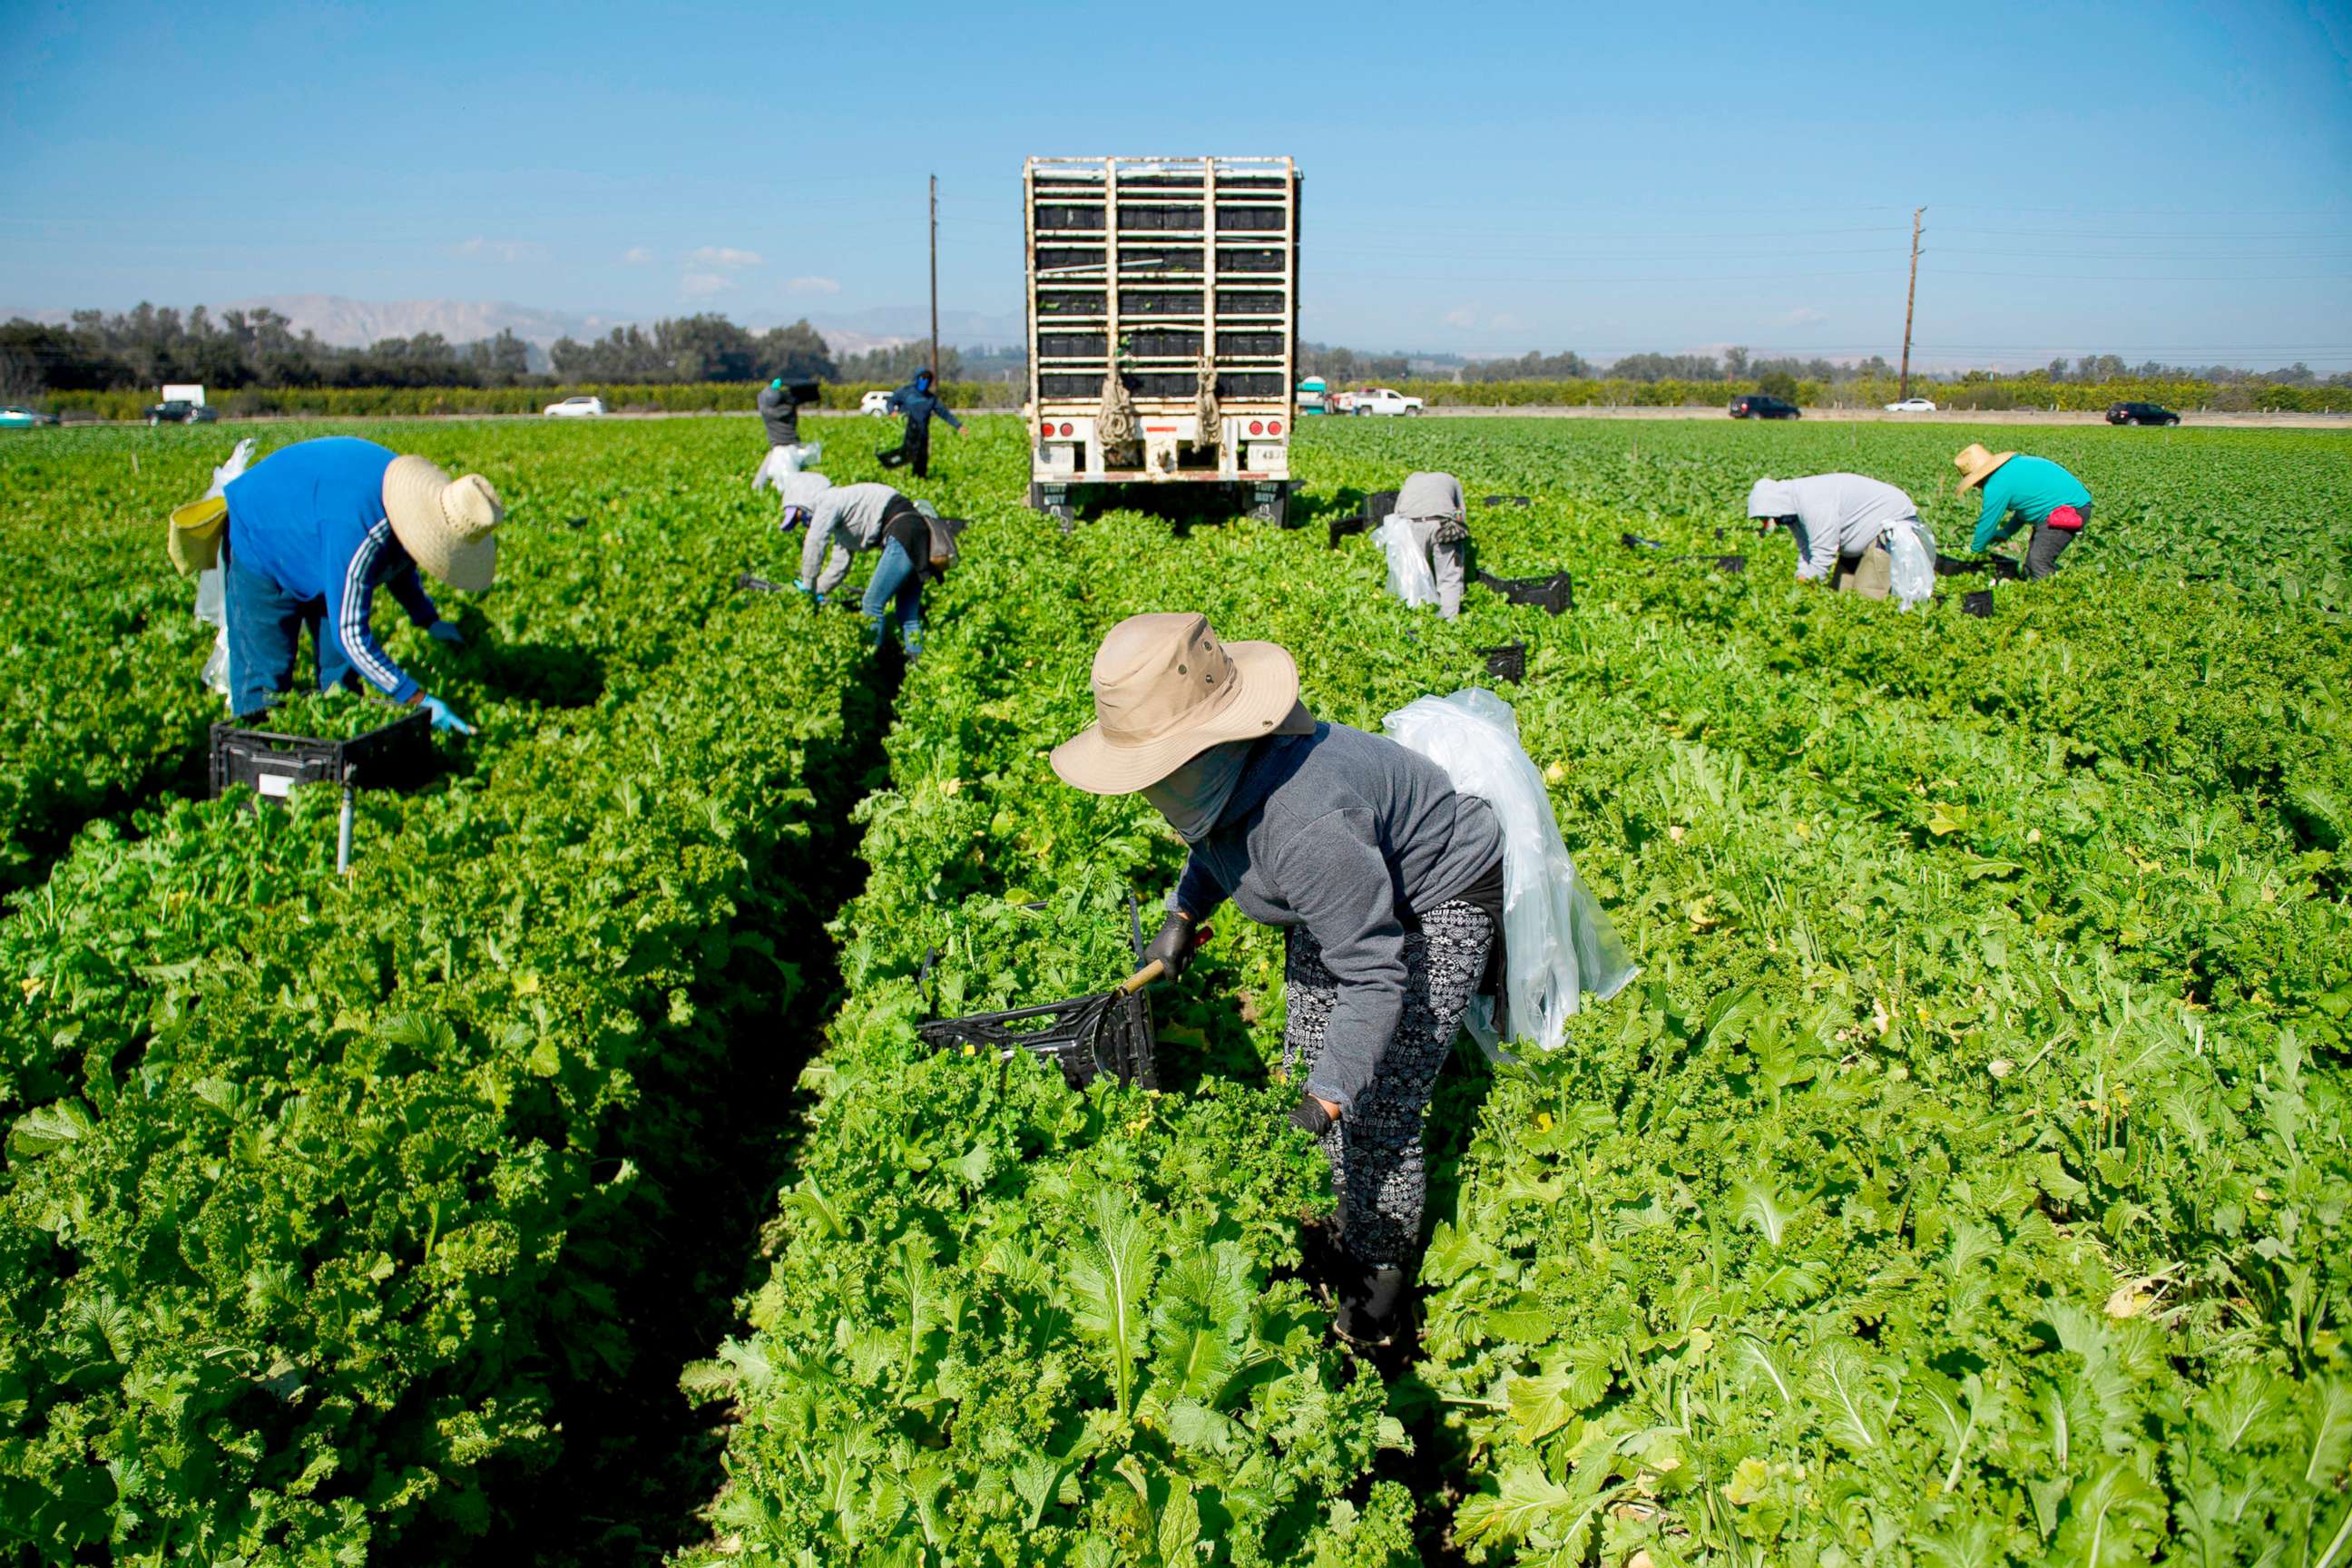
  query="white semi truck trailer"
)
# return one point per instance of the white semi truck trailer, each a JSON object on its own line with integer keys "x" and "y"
{"x": 1163, "y": 327}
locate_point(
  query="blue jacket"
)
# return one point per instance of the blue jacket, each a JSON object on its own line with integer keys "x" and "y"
{"x": 2022, "y": 490}
{"x": 310, "y": 519}
{"x": 917, "y": 402}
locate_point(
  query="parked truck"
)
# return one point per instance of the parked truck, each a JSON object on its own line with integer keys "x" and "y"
{"x": 1163, "y": 326}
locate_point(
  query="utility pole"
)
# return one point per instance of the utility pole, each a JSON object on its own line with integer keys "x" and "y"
{"x": 935, "y": 279}
{"x": 1910, "y": 299}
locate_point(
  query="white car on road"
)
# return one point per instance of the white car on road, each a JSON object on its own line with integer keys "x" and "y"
{"x": 876, "y": 401}
{"x": 1380, "y": 400}
{"x": 1911, "y": 406}
{"x": 576, "y": 408}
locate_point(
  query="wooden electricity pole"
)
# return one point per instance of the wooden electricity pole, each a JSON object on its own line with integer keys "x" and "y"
{"x": 1910, "y": 298}
{"x": 935, "y": 283}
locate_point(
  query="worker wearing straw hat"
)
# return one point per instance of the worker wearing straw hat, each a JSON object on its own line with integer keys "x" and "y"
{"x": 1388, "y": 884}
{"x": 2021, "y": 490}
{"x": 313, "y": 532}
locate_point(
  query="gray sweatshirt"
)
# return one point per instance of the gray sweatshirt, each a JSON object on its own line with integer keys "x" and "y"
{"x": 847, "y": 518}
{"x": 1429, "y": 495}
{"x": 1837, "y": 514}
{"x": 781, "y": 415}
{"x": 1346, "y": 833}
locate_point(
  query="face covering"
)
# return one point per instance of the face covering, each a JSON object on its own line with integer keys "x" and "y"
{"x": 1193, "y": 797}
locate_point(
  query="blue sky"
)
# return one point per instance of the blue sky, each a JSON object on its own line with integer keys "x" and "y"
{"x": 2154, "y": 179}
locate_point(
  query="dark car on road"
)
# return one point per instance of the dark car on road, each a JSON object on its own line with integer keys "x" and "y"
{"x": 180, "y": 411}
{"x": 1756, "y": 406}
{"x": 2140, "y": 413}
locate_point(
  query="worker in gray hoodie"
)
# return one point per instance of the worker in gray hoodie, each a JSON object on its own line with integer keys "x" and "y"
{"x": 1388, "y": 884}
{"x": 1841, "y": 523}
{"x": 842, "y": 520}
{"x": 1432, "y": 507}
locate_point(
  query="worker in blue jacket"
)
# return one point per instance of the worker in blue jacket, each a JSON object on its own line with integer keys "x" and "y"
{"x": 2021, "y": 490}
{"x": 313, "y": 532}
{"x": 917, "y": 402}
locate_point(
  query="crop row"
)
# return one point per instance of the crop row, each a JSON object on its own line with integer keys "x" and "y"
{"x": 319, "y": 1191}
{"x": 1964, "y": 1182}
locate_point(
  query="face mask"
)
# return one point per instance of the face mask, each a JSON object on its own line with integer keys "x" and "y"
{"x": 1193, "y": 796}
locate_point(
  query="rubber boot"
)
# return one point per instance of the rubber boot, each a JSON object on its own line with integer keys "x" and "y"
{"x": 1372, "y": 1307}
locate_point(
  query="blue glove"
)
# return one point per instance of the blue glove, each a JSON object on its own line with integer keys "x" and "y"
{"x": 814, "y": 597}
{"x": 442, "y": 631}
{"x": 443, "y": 718}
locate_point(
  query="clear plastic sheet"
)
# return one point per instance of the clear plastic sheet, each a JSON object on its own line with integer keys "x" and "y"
{"x": 1559, "y": 940}
{"x": 1410, "y": 577}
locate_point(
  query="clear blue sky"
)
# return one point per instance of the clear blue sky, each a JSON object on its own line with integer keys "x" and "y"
{"x": 2156, "y": 179}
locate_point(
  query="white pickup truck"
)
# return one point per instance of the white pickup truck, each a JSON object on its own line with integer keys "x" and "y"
{"x": 1375, "y": 400}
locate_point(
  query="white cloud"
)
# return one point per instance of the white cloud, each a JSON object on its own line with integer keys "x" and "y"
{"x": 696, "y": 284}
{"x": 1462, "y": 316}
{"x": 811, "y": 285}
{"x": 636, "y": 255}
{"x": 507, "y": 250}
{"x": 1802, "y": 316}
{"x": 724, "y": 255}
{"x": 1502, "y": 323}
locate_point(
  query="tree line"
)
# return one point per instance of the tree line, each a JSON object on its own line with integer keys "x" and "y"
{"x": 143, "y": 348}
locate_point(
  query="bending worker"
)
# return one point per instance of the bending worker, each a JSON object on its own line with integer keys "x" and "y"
{"x": 313, "y": 532}
{"x": 916, "y": 549}
{"x": 1432, "y": 507}
{"x": 1387, "y": 883}
{"x": 2017, "y": 490}
{"x": 780, "y": 413}
{"x": 918, "y": 402}
{"x": 1841, "y": 523}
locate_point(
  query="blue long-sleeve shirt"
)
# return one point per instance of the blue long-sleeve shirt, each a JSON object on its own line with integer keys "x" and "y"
{"x": 310, "y": 519}
{"x": 919, "y": 402}
{"x": 2023, "y": 490}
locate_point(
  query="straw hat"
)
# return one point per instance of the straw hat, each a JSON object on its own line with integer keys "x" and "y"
{"x": 449, "y": 527}
{"x": 1975, "y": 463}
{"x": 1166, "y": 690}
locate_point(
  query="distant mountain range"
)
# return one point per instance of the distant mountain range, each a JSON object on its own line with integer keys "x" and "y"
{"x": 355, "y": 323}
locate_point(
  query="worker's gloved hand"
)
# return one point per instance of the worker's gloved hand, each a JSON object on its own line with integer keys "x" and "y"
{"x": 1174, "y": 945}
{"x": 442, "y": 631}
{"x": 813, "y": 596}
{"x": 1309, "y": 1116}
{"x": 443, "y": 718}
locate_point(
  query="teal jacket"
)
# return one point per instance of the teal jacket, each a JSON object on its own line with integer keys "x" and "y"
{"x": 2031, "y": 488}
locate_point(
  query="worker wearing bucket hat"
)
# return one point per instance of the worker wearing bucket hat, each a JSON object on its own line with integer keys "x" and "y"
{"x": 313, "y": 532}
{"x": 2020, "y": 489}
{"x": 1387, "y": 884}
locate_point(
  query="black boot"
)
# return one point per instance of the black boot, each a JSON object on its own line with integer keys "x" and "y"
{"x": 1372, "y": 1307}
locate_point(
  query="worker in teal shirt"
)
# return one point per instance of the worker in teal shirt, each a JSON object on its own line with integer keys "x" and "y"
{"x": 2018, "y": 490}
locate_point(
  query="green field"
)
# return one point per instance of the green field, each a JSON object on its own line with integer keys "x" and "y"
{"x": 1965, "y": 1182}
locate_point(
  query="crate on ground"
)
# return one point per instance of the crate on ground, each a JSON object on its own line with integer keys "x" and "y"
{"x": 1086, "y": 1036}
{"x": 399, "y": 755}
{"x": 1374, "y": 512}
{"x": 1507, "y": 661}
{"x": 1554, "y": 595}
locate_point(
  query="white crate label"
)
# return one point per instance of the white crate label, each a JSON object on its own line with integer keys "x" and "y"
{"x": 276, "y": 786}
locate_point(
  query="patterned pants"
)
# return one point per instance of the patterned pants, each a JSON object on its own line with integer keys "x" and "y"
{"x": 1376, "y": 1149}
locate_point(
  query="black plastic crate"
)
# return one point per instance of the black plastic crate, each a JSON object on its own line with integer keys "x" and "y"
{"x": 1978, "y": 604}
{"x": 1506, "y": 500}
{"x": 1085, "y": 1037}
{"x": 1159, "y": 258}
{"x": 1731, "y": 565}
{"x": 2004, "y": 569}
{"x": 1164, "y": 342}
{"x": 1507, "y": 661}
{"x": 804, "y": 390}
{"x": 1242, "y": 302}
{"x": 1252, "y": 260}
{"x": 1071, "y": 345}
{"x": 1069, "y": 384}
{"x": 1159, "y": 303}
{"x": 1063, "y": 216}
{"x": 1248, "y": 219}
{"x": 1060, "y": 257}
{"x": 1070, "y": 302}
{"x": 1554, "y": 595}
{"x": 745, "y": 582}
{"x": 1159, "y": 220}
{"x": 1247, "y": 345}
{"x": 399, "y": 755}
{"x": 1250, "y": 383}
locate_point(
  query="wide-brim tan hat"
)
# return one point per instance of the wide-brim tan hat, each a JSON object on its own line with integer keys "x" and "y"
{"x": 1166, "y": 689}
{"x": 1975, "y": 463}
{"x": 449, "y": 527}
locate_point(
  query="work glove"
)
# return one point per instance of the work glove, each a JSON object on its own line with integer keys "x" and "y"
{"x": 442, "y": 631}
{"x": 1174, "y": 946}
{"x": 443, "y": 718}
{"x": 1309, "y": 1117}
{"x": 813, "y": 596}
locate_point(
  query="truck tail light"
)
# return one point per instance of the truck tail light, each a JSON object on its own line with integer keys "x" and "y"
{"x": 1045, "y": 431}
{"x": 1067, "y": 428}
{"x": 1257, "y": 426}
{"x": 1274, "y": 428}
